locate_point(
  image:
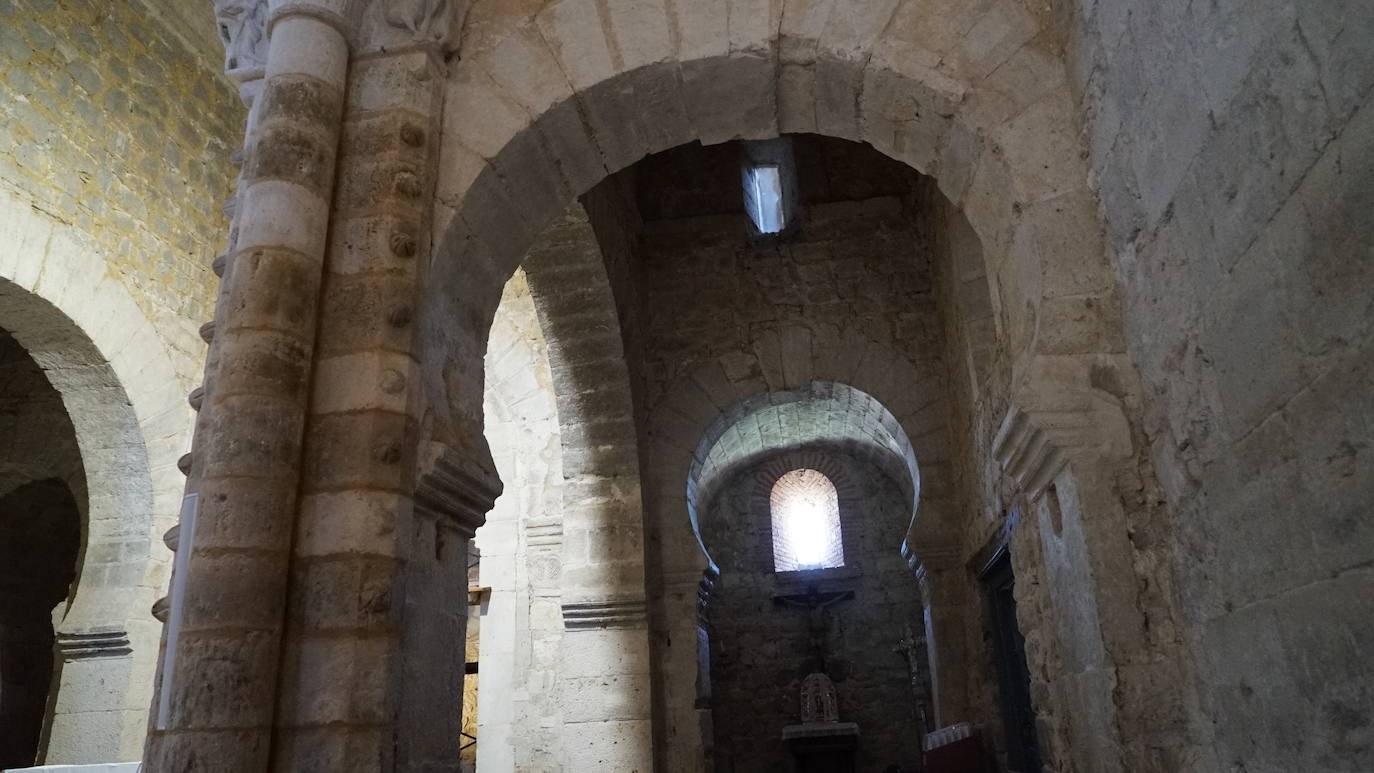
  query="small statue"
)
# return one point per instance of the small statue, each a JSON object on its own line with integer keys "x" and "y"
{"x": 818, "y": 701}
{"x": 243, "y": 30}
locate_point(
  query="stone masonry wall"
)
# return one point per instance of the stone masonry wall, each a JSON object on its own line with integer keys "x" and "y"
{"x": 116, "y": 135}
{"x": 707, "y": 290}
{"x": 1233, "y": 145}
{"x": 760, "y": 651}
{"x": 110, "y": 125}
{"x": 859, "y": 265}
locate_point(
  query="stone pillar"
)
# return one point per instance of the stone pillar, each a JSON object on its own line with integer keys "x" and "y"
{"x": 681, "y": 609}
{"x": 948, "y": 599}
{"x": 1115, "y": 653}
{"x": 606, "y": 673}
{"x": 373, "y": 663}
{"x": 217, "y": 703}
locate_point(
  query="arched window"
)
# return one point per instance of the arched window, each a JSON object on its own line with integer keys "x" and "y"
{"x": 806, "y": 522}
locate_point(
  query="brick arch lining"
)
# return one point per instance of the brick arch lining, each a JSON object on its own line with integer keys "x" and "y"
{"x": 770, "y": 472}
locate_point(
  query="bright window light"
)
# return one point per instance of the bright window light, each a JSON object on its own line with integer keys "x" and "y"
{"x": 806, "y": 522}
{"x": 763, "y": 197}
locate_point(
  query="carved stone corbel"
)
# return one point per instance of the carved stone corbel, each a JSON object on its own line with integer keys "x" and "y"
{"x": 438, "y": 22}
{"x": 456, "y": 489}
{"x": 1027, "y": 454}
{"x": 243, "y": 31}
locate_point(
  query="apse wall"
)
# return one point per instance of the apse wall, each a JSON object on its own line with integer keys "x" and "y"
{"x": 1233, "y": 145}
{"x": 761, "y": 650}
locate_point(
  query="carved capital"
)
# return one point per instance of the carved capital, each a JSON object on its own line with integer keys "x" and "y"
{"x": 243, "y": 31}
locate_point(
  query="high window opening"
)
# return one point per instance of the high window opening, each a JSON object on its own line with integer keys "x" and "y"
{"x": 806, "y": 522}
{"x": 770, "y": 184}
{"x": 763, "y": 198}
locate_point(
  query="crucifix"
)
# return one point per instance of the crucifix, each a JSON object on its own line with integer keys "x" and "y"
{"x": 815, "y": 603}
{"x": 910, "y": 646}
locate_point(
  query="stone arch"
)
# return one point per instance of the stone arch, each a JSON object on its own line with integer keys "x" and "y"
{"x": 896, "y": 399}
{"x": 973, "y": 96}
{"x": 591, "y": 384}
{"x": 572, "y": 382}
{"x": 769, "y": 423}
{"x": 127, "y": 407}
{"x": 524, "y": 527}
{"x": 976, "y": 99}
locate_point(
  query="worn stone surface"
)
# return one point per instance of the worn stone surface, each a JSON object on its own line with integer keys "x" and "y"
{"x": 1230, "y": 149}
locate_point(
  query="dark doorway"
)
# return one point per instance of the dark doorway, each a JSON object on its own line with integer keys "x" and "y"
{"x": 40, "y": 538}
{"x": 1013, "y": 678}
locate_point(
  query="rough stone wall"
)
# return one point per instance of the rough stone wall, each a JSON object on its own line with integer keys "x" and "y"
{"x": 110, "y": 125}
{"x": 1232, "y": 146}
{"x": 761, "y": 651}
{"x": 707, "y": 289}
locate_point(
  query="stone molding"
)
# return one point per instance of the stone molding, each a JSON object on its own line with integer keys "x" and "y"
{"x": 457, "y": 489}
{"x": 544, "y": 532}
{"x": 605, "y": 614}
{"x": 1026, "y": 454}
{"x": 89, "y": 645}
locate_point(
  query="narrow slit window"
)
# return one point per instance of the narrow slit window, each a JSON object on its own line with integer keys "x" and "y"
{"x": 763, "y": 197}
{"x": 805, "y": 512}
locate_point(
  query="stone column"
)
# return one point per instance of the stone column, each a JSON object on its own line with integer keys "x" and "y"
{"x": 220, "y": 666}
